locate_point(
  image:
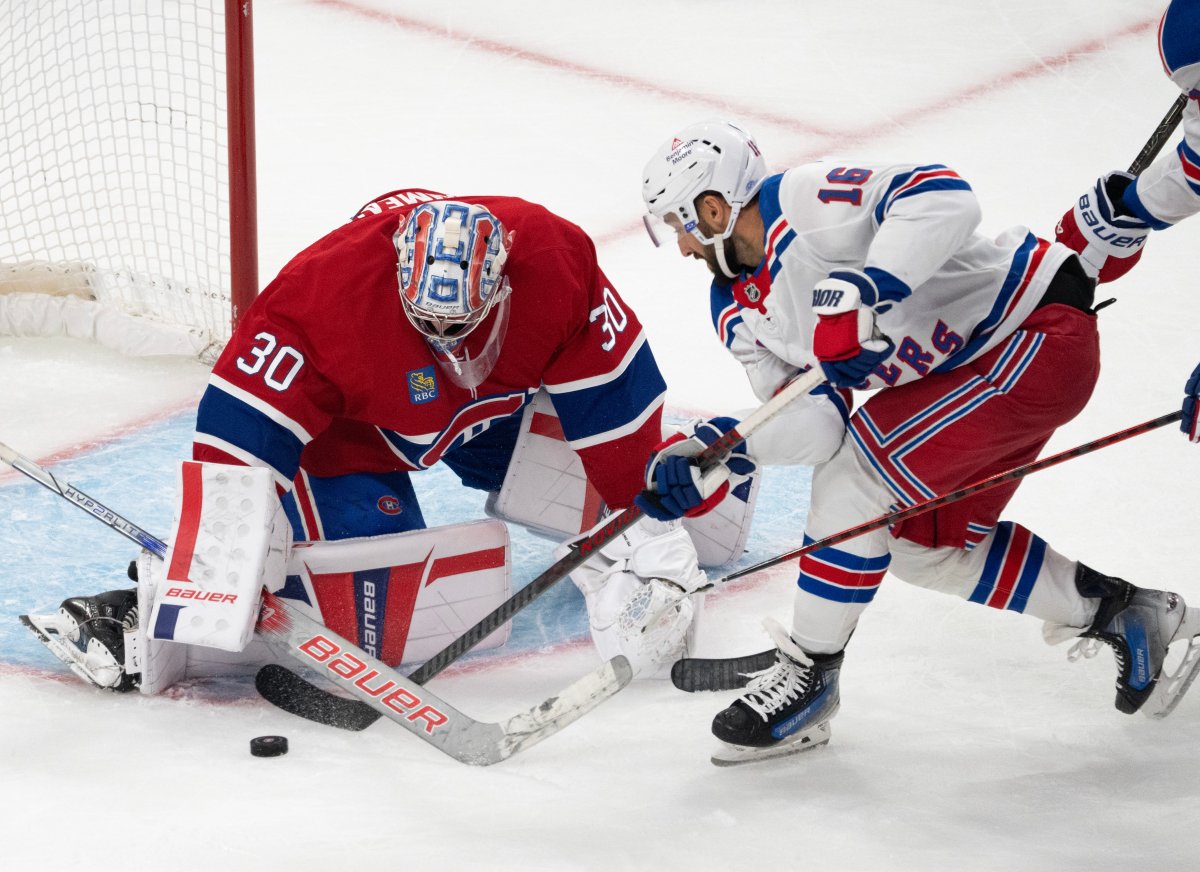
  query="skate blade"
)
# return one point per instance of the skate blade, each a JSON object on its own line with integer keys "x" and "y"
{"x": 1173, "y": 683}
{"x": 736, "y": 755}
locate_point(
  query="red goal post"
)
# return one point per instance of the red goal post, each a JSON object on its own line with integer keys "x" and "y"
{"x": 127, "y": 174}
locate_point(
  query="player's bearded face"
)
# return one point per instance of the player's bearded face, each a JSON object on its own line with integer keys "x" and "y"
{"x": 690, "y": 246}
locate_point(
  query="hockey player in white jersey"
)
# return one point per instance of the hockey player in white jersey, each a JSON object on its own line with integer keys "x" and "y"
{"x": 1115, "y": 216}
{"x": 983, "y": 347}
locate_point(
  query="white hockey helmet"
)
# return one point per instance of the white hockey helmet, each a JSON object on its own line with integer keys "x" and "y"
{"x": 709, "y": 156}
{"x": 451, "y": 267}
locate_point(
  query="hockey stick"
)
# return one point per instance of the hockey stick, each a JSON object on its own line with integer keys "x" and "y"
{"x": 1160, "y": 136}
{"x": 298, "y": 696}
{"x": 690, "y": 674}
{"x": 433, "y": 720}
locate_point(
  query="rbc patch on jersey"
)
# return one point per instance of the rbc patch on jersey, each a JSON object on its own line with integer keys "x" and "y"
{"x": 422, "y": 386}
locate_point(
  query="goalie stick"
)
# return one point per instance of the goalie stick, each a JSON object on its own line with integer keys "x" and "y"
{"x": 298, "y": 696}
{"x": 386, "y": 692}
{"x": 730, "y": 673}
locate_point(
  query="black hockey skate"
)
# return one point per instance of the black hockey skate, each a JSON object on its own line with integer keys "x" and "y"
{"x": 88, "y": 634}
{"x": 787, "y": 708}
{"x": 1140, "y": 625}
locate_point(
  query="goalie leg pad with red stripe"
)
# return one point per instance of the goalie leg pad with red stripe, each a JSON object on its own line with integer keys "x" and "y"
{"x": 229, "y": 540}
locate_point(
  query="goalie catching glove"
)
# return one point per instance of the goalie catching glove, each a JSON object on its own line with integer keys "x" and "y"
{"x": 675, "y": 486}
{"x": 1108, "y": 238}
{"x": 638, "y": 591}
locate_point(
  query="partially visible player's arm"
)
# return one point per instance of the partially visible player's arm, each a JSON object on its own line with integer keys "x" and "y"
{"x": 1169, "y": 190}
{"x": 921, "y": 215}
{"x": 1110, "y": 222}
{"x": 811, "y": 428}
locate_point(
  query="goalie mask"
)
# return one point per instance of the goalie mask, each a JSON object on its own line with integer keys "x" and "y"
{"x": 451, "y": 259}
{"x": 709, "y": 156}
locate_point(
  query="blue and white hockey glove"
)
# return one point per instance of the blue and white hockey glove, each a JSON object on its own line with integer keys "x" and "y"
{"x": 674, "y": 488}
{"x": 845, "y": 340}
{"x": 1191, "y": 407}
{"x": 1107, "y": 237}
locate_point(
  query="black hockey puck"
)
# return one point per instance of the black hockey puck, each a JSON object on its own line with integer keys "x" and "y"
{"x": 269, "y": 746}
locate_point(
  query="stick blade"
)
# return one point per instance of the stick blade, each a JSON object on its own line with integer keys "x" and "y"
{"x": 283, "y": 688}
{"x": 526, "y": 729}
{"x": 692, "y": 674}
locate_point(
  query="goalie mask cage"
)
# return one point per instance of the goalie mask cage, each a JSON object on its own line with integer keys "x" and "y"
{"x": 127, "y": 190}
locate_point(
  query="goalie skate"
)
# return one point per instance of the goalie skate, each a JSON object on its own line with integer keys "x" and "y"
{"x": 88, "y": 634}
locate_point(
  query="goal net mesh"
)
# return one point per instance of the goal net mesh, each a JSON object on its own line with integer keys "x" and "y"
{"x": 114, "y": 170}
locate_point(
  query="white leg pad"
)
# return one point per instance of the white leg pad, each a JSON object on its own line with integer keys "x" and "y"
{"x": 230, "y": 539}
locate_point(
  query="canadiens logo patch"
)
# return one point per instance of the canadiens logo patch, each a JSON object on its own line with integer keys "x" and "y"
{"x": 389, "y": 505}
{"x": 422, "y": 386}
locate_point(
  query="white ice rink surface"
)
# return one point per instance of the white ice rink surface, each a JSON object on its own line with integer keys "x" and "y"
{"x": 964, "y": 742}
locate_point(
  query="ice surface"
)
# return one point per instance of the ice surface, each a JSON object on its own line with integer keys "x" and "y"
{"x": 964, "y": 743}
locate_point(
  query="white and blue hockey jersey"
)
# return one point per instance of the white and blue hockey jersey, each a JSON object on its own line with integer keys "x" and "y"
{"x": 948, "y": 293}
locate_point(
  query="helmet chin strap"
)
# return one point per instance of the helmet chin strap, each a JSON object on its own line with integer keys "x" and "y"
{"x": 719, "y": 244}
{"x": 719, "y": 247}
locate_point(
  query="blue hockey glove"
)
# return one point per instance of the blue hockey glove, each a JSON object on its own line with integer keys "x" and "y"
{"x": 845, "y": 340}
{"x": 674, "y": 488}
{"x": 1191, "y": 407}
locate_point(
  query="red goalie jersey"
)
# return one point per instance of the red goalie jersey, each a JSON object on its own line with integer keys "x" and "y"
{"x": 326, "y": 377}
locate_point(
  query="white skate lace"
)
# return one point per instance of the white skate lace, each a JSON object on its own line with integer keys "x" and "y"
{"x": 789, "y": 679}
{"x": 1084, "y": 649}
{"x": 772, "y": 689}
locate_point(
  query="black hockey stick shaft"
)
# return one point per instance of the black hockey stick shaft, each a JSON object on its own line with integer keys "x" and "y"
{"x": 954, "y": 496}
{"x": 1160, "y": 136}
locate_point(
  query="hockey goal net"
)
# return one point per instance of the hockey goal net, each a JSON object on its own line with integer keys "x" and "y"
{"x": 127, "y": 172}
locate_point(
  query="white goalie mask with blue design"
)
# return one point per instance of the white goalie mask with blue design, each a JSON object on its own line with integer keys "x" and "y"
{"x": 451, "y": 258}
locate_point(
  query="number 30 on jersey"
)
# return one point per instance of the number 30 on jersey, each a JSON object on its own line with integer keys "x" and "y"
{"x": 615, "y": 319}
{"x": 282, "y": 362}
